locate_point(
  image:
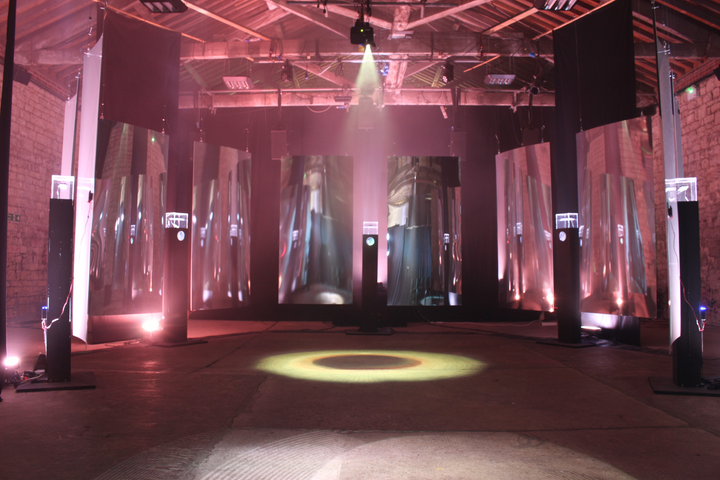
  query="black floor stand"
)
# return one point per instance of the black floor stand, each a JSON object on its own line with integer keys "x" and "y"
{"x": 369, "y": 316}
{"x": 666, "y": 386}
{"x": 584, "y": 343}
{"x": 78, "y": 381}
{"x": 189, "y": 341}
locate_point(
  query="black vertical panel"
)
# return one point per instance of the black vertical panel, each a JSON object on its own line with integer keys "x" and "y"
{"x": 175, "y": 285}
{"x": 369, "y": 274}
{"x": 595, "y": 85}
{"x": 5, "y": 120}
{"x": 687, "y": 349}
{"x": 60, "y": 253}
{"x": 140, "y": 73}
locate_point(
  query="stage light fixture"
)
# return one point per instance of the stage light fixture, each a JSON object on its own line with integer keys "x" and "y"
{"x": 238, "y": 83}
{"x": 166, "y": 6}
{"x": 499, "y": 79}
{"x": 362, "y": 34}
{"x": 287, "y": 72}
{"x": 343, "y": 98}
{"x": 554, "y": 4}
{"x": 448, "y": 72}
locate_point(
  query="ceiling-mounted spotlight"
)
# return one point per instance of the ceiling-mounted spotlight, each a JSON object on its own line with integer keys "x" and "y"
{"x": 499, "y": 79}
{"x": 238, "y": 83}
{"x": 554, "y": 4}
{"x": 166, "y": 6}
{"x": 362, "y": 34}
{"x": 448, "y": 72}
{"x": 287, "y": 72}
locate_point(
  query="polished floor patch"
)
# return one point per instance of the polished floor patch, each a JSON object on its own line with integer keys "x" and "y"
{"x": 264, "y": 454}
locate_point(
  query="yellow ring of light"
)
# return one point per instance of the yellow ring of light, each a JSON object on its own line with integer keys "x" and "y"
{"x": 432, "y": 366}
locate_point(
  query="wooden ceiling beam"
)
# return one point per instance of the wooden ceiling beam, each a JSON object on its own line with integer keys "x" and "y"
{"x": 226, "y": 21}
{"x": 315, "y": 18}
{"x": 445, "y": 13}
{"x": 695, "y": 13}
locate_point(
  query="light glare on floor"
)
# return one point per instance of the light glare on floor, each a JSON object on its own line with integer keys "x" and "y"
{"x": 416, "y": 366}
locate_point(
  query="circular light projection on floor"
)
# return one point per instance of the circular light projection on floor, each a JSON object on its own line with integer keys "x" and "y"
{"x": 370, "y": 366}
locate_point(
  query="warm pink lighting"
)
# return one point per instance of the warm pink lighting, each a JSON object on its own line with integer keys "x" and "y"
{"x": 619, "y": 302}
{"x": 152, "y": 325}
{"x": 11, "y": 362}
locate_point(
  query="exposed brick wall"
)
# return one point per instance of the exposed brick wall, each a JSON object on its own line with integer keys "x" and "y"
{"x": 35, "y": 155}
{"x": 700, "y": 123}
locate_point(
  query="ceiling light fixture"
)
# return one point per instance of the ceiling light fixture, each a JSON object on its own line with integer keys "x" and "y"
{"x": 238, "y": 83}
{"x": 448, "y": 72}
{"x": 362, "y": 33}
{"x": 287, "y": 72}
{"x": 499, "y": 79}
{"x": 166, "y": 6}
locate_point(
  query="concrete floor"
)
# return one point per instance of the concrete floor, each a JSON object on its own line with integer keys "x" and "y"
{"x": 207, "y": 412}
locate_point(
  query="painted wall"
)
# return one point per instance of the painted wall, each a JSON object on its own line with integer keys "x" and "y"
{"x": 35, "y": 155}
{"x": 700, "y": 120}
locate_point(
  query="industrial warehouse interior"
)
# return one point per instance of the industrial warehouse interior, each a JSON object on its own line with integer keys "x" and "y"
{"x": 347, "y": 239}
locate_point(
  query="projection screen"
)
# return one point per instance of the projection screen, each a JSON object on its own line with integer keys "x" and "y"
{"x": 424, "y": 231}
{"x": 220, "y": 258}
{"x": 316, "y": 213}
{"x": 524, "y": 227}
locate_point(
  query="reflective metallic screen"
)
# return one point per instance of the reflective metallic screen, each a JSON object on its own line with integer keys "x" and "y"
{"x": 617, "y": 220}
{"x": 424, "y": 241}
{"x": 524, "y": 216}
{"x": 220, "y": 227}
{"x": 316, "y": 210}
{"x": 127, "y": 231}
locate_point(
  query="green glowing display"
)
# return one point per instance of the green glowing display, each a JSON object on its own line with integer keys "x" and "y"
{"x": 370, "y": 241}
{"x": 370, "y": 366}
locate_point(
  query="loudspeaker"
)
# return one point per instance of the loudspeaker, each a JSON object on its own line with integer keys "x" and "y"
{"x": 59, "y": 278}
{"x": 687, "y": 349}
{"x": 176, "y": 285}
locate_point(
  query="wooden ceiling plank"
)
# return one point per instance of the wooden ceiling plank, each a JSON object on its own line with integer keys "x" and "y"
{"x": 695, "y": 13}
{"x": 315, "y": 18}
{"x": 226, "y": 21}
{"x": 510, "y": 21}
{"x": 326, "y": 74}
{"x": 445, "y": 13}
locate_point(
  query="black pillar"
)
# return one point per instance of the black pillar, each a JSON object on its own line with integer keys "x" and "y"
{"x": 567, "y": 281}
{"x": 5, "y": 117}
{"x": 369, "y": 319}
{"x": 176, "y": 285}
{"x": 59, "y": 277}
{"x": 687, "y": 348}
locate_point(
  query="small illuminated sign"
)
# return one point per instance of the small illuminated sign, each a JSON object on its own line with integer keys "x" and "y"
{"x": 370, "y": 241}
